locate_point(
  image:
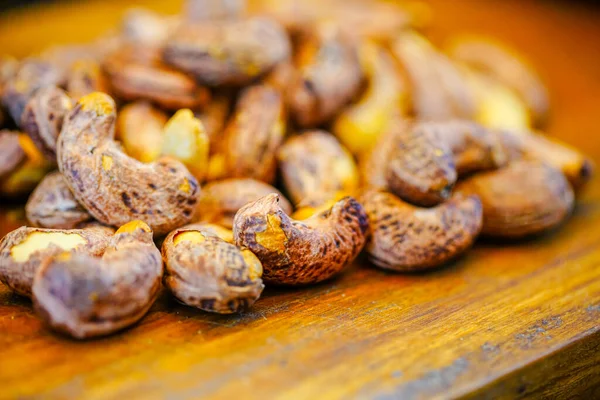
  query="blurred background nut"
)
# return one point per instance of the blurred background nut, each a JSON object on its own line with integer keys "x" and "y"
{"x": 211, "y": 10}
{"x": 328, "y": 76}
{"x": 43, "y": 118}
{"x": 221, "y": 200}
{"x": 409, "y": 238}
{"x": 205, "y": 271}
{"x": 52, "y": 205}
{"x": 227, "y": 52}
{"x": 359, "y": 126}
{"x": 522, "y": 199}
{"x": 23, "y": 250}
{"x": 140, "y": 128}
{"x": 298, "y": 253}
{"x": 12, "y": 154}
{"x": 507, "y": 67}
{"x": 85, "y": 295}
{"x": 254, "y": 133}
{"x": 314, "y": 164}
{"x": 30, "y": 169}
{"x": 85, "y": 77}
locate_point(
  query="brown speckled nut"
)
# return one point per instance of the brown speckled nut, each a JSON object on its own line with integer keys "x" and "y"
{"x": 43, "y": 118}
{"x": 254, "y": 134}
{"x": 52, "y": 205}
{"x": 409, "y": 238}
{"x": 328, "y": 77}
{"x": 12, "y": 154}
{"x": 525, "y": 198}
{"x": 294, "y": 252}
{"x": 228, "y": 52}
{"x": 221, "y": 200}
{"x": 85, "y": 296}
{"x": 204, "y": 271}
{"x": 421, "y": 167}
{"x": 23, "y": 250}
{"x": 114, "y": 187}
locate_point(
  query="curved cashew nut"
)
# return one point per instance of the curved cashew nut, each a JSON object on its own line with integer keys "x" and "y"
{"x": 23, "y": 250}
{"x": 254, "y": 134}
{"x": 328, "y": 77}
{"x": 138, "y": 74}
{"x": 420, "y": 162}
{"x": 227, "y": 52}
{"x": 525, "y": 198}
{"x": 360, "y": 125}
{"x": 113, "y": 187}
{"x": 52, "y": 205}
{"x": 314, "y": 164}
{"x": 43, "y": 117}
{"x": 297, "y": 253}
{"x": 438, "y": 90}
{"x": 221, "y": 200}
{"x": 409, "y": 238}
{"x": 207, "y": 272}
{"x": 507, "y": 66}
{"x": 86, "y": 296}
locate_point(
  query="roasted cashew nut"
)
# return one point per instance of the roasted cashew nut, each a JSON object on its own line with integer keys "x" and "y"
{"x": 43, "y": 117}
{"x": 207, "y": 272}
{"x": 522, "y": 199}
{"x": 84, "y": 295}
{"x": 315, "y": 165}
{"x": 409, "y": 238}
{"x": 297, "y": 253}
{"x": 53, "y": 206}
{"x": 23, "y": 250}
{"x": 232, "y": 52}
{"x": 114, "y": 187}
{"x": 12, "y": 154}
{"x": 328, "y": 77}
{"x": 254, "y": 134}
{"x": 221, "y": 200}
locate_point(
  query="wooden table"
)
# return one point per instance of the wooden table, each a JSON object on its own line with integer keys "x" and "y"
{"x": 508, "y": 320}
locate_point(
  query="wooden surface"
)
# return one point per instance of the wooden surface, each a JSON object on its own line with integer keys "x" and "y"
{"x": 506, "y": 321}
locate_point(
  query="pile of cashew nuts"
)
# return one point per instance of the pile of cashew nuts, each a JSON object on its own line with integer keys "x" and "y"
{"x": 265, "y": 145}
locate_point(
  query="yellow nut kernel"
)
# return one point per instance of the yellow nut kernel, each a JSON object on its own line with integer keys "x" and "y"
{"x": 107, "y": 162}
{"x": 189, "y": 236}
{"x": 98, "y": 102}
{"x": 273, "y": 238}
{"x": 42, "y": 240}
{"x": 133, "y": 226}
{"x": 255, "y": 269}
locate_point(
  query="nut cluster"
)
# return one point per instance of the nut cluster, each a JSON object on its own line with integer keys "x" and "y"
{"x": 191, "y": 130}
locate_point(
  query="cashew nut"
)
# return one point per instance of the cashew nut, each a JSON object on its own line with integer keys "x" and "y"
{"x": 438, "y": 90}
{"x": 85, "y": 77}
{"x": 359, "y": 126}
{"x": 43, "y": 117}
{"x": 137, "y": 73}
{"x": 409, "y": 238}
{"x": 23, "y": 250}
{"x": 84, "y": 295}
{"x": 254, "y": 134}
{"x": 522, "y": 199}
{"x": 30, "y": 76}
{"x": 211, "y": 10}
{"x": 140, "y": 129}
{"x": 221, "y": 200}
{"x": 52, "y": 205}
{"x": 12, "y": 154}
{"x": 297, "y": 253}
{"x": 314, "y": 164}
{"x": 328, "y": 77}
{"x": 207, "y": 272}
{"x": 114, "y": 187}
{"x": 508, "y": 67}
{"x": 227, "y": 52}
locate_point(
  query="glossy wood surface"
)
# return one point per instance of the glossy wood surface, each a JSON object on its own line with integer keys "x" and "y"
{"x": 505, "y": 321}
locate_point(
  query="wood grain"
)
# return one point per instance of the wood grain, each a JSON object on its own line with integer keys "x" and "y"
{"x": 506, "y": 321}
